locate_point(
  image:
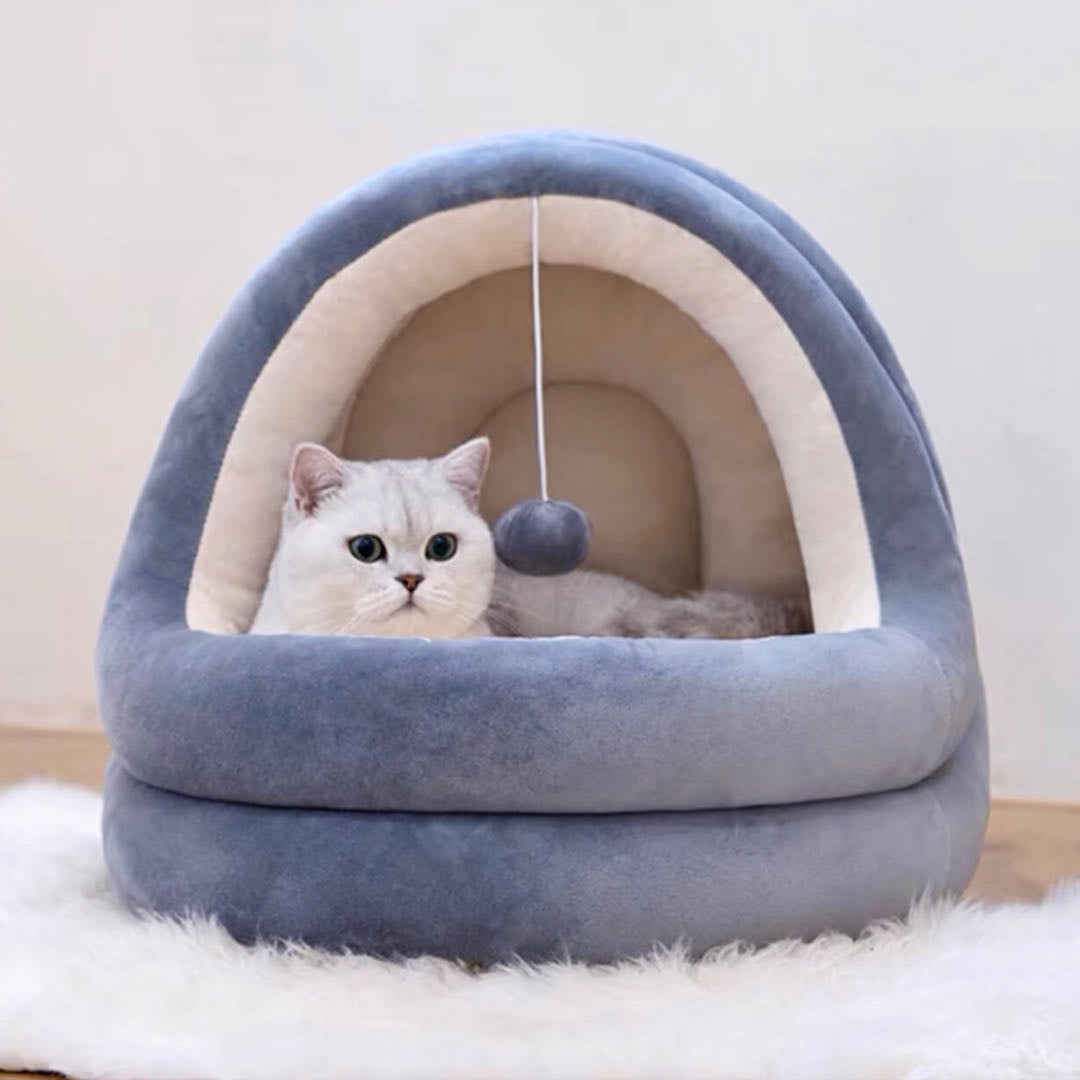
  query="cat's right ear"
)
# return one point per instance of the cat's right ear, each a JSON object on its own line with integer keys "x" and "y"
{"x": 314, "y": 475}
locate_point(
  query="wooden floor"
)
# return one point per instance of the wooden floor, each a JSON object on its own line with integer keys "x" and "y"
{"x": 76, "y": 757}
{"x": 1029, "y": 846}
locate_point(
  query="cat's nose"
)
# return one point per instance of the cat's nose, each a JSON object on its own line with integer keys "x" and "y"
{"x": 410, "y": 581}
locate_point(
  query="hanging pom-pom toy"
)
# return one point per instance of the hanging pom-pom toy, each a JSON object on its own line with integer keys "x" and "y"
{"x": 541, "y": 536}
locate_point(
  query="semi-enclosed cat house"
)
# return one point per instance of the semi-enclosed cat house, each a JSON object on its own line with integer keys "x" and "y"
{"x": 726, "y": 410}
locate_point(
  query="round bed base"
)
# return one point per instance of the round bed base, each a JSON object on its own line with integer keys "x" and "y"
{"x": 588, "y": 797}
{"x": 488, "y": 887}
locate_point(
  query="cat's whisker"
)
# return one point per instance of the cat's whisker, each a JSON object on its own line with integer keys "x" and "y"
{"x": 443, "y": 601}
{"x": 350, "y": 625}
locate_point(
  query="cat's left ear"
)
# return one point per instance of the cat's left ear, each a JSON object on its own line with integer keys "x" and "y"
{"x": 315, "y": 474}
{"x": 466, "y": 466}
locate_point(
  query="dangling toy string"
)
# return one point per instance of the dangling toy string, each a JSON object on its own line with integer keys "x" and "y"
{"x": 538, "y": 350}
{"x": 541, "y": 536}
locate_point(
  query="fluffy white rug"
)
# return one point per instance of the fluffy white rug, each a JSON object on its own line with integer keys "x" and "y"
{"x": 89, "y": 989}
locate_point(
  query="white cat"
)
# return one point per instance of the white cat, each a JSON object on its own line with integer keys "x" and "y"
{"x": 394, "y": 548}
{"x": 399, "y": 548}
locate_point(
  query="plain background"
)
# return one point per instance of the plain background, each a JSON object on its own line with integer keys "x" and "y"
{"x": 151, "y": 155}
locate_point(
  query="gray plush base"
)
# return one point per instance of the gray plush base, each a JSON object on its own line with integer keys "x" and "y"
{"x": 485, "y": 887}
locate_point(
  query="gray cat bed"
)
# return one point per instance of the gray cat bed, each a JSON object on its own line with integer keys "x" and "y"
{"x": 727, "y": 411}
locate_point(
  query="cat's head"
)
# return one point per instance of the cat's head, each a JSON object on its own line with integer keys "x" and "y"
{"x": 385, "y": 547}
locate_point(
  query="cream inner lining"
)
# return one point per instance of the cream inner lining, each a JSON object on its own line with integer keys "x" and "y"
{"x": 683, "y": 415}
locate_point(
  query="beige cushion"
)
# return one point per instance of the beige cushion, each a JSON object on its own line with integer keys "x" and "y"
{"x": 685, "y": 418}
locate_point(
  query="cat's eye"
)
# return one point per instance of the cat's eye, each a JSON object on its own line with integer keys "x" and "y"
{"x": 367, "y": 548}
{"x": 441, "y": 547}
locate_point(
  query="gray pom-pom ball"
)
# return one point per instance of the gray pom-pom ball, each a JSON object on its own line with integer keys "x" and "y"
{"x": 542, "y": 537}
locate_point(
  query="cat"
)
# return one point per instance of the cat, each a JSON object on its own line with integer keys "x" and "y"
{"x": 394, "y": 548}
{"x": 398, "y": 548}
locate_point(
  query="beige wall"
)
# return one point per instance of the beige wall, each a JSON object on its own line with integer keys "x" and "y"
{"x": 152, "y": 154}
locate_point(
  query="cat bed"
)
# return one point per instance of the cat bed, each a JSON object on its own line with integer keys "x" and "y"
{"x": 727, "y": 411}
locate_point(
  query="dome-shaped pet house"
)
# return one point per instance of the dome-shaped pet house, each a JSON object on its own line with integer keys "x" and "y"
{"x": 727, "y": 411}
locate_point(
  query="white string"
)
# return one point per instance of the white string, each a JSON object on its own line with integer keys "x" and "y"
{"x": 538, "y": 350}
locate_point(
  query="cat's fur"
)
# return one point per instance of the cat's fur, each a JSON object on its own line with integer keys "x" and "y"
{"x": 317, "y": 587}
{"x": 595, "y": 604}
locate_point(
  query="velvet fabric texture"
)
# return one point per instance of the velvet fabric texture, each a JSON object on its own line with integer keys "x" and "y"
{"x": 487, "y": 797}
{"x": 542, "y": 536}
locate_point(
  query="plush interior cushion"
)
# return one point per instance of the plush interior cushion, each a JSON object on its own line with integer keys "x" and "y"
{"x": 424, "y": 340}
{"x": 644, "y": 410}
{"x": 619, "y": 456}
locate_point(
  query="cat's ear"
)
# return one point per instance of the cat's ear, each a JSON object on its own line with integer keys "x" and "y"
{"x": 315, "y": 474}
{"x": 466, "y": 466}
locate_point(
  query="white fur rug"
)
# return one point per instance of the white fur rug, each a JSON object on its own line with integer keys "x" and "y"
{"x": 89, "y": 989}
